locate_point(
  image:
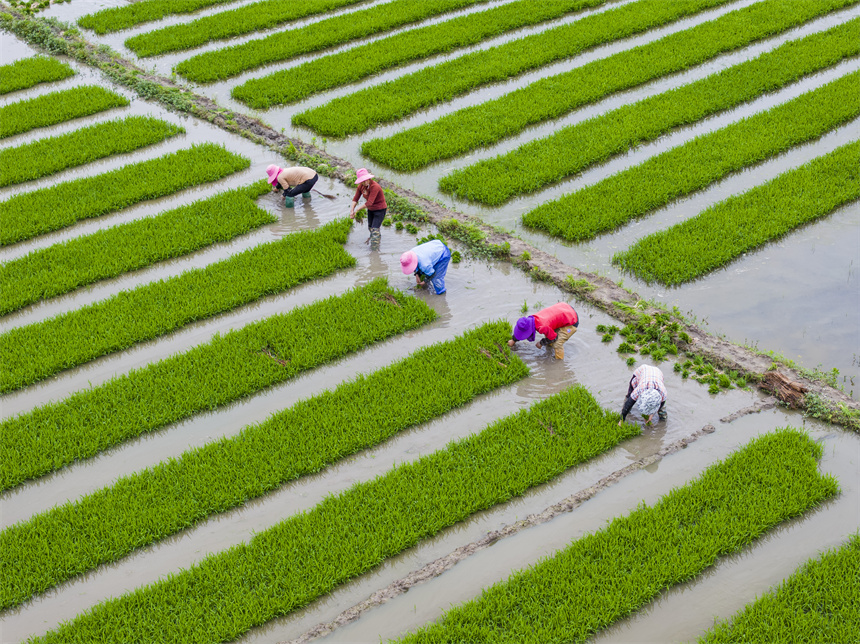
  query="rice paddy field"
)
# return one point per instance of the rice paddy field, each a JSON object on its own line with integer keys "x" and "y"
{"x": 225, "y": 419}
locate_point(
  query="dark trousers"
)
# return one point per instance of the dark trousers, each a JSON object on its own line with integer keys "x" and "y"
{"x": 375, "y": 217}
{"x": 302, "y": 187}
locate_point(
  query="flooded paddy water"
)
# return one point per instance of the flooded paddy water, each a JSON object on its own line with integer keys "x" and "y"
{"x": 799, "y": 297}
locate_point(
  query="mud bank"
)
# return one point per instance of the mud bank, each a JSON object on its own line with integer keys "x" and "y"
{"x": 829, "y": 403}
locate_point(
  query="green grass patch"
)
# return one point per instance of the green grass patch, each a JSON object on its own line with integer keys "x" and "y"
{"x": 744, "y": 222}
{"x": 349, "y": 66}
{"x": 227, "y": 368}
{"x": 227, "y": 24}
{"x": 311, "y": 553}
{"x": 61, "y": 268}
{"x": 569, "y": 150}
{"x": 633, "y": 193}
{"x": 37, "y": 351}
{"x": 818, "y": 603}
{"x": 40, "y": 211}
{"x": 28, "y": 72}
{"x": 56, "y": 107}
{"x": 401, "y": 97}
{"x": 160, "y": 501}
{"x": 123, "y": 17}
{"x": 609, "y": 574}
{"x": 53, "y": 154}
{"x": 230, "y": 61}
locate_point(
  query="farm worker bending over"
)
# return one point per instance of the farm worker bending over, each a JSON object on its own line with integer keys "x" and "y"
{"x": 557, "y": 322}
{"x": 374, "y": 201}
{"x": 294, "y": 181}
{"x": 646, "y": 388}
{"x": 427, "y": 261}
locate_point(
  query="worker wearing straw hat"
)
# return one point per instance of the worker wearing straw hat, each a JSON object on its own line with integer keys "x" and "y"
{"x": 646, "y": 388}
{"x": 557, "y": 323}
{"x": 427, "y": 261}
{"x": 294, "y": 181}
{"x": 374, "y": 201}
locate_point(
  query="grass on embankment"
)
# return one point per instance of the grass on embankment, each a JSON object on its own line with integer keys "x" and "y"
{"x": 28, "y": 72}
{"x": 146, "y": 507}
{"x": 61, "y": 268}
{"x": 40, "y": 211}
{"x": 744, "y": 222}
{"x": 56, "y": 153}
{"x": 611, "y": 573}
{"x": 538, "y": 163}
{"x": 352, "y": 65}
{"x": 637, "y": 191}
{"x": 56, "y": 107}
{"x": 818, "y": 603}
{"x": 311, "y": 553}
{"x": 223, "y": 370}
{"x": 396, "y": 99}
{"x": 37, "y": 351}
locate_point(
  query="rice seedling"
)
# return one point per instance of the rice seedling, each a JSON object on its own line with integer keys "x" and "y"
{"x": 53, "y": 154}
{"x": 690, "y": 167}
{"x": 230, "y": 61}
{"x": 227, "y": 24}
{"x": 28, "y": 72}
{"x": 153, "y": 309}
{"x": 40, "y": 211}
{"x": 403, "y": 96}
{"x": 608, "y": 574}
{"x": 365, "y": 60}
{"x": 572, "y": 149}
{"x": 311, "y": 553}
{"x": 56, "y": 107}
{"x": 225, "y": 369}
{"x": 150, "y": 505}
{"x": 125, "y": 16}
{"x": 61, "y": 268}
{"x": 818, "y": 603}
{"x": 747, "y": 221}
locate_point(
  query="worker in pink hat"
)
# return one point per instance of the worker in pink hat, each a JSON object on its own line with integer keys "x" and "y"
{"x": 374, "y": 201}
{"x": 557, "y": 323}
{"x": 427, "y": 261}
{"x": 293, "y": 181}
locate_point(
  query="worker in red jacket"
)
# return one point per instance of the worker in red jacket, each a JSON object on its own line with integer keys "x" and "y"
{"x": 557, "y": 323}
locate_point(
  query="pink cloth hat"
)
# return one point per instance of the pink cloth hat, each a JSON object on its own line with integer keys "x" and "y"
{"x": 408, "y": 262}
{"x": 272, "y": 172}
{"x": 362, "y": 175}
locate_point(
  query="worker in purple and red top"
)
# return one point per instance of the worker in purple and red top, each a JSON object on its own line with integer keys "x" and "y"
{"x": 374, "y": 201}
{"x": 646, "y": 388}
{"x": 293, "y": 181}
{"x": 557, "y": 323}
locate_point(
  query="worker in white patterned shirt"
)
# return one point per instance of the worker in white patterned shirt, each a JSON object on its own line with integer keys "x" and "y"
{"x": 646, "y": 388}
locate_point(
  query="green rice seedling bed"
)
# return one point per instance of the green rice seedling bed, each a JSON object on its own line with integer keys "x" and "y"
{"x": 230, "y": 61}
{"x": 401, "y": 97}
{"x": 611, "y": 573}
{"x": 571, "y": 149}
{"x": 690, "y": 167}
{"x": 56, "y": 107}
{"x": 40, "y": 211}
{"x": 311, "y": 553}
{"x": 227, "y": 368}
{"x": 61, "y": 268}
{"x": 227, "y": 24}
{"x": 744, "y": 222}
{"x": 32, "y": 71}
{"x": 818, "y": 603}
{"x": 53, "y": 154}
{"x": 360, "y": 62}
{"x": 37, "y": 351}
{"x": 123, "y": 17}
{"x": 158, "y": 502}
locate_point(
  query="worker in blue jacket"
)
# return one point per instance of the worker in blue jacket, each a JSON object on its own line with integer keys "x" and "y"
{"x": 427, "y": 261}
